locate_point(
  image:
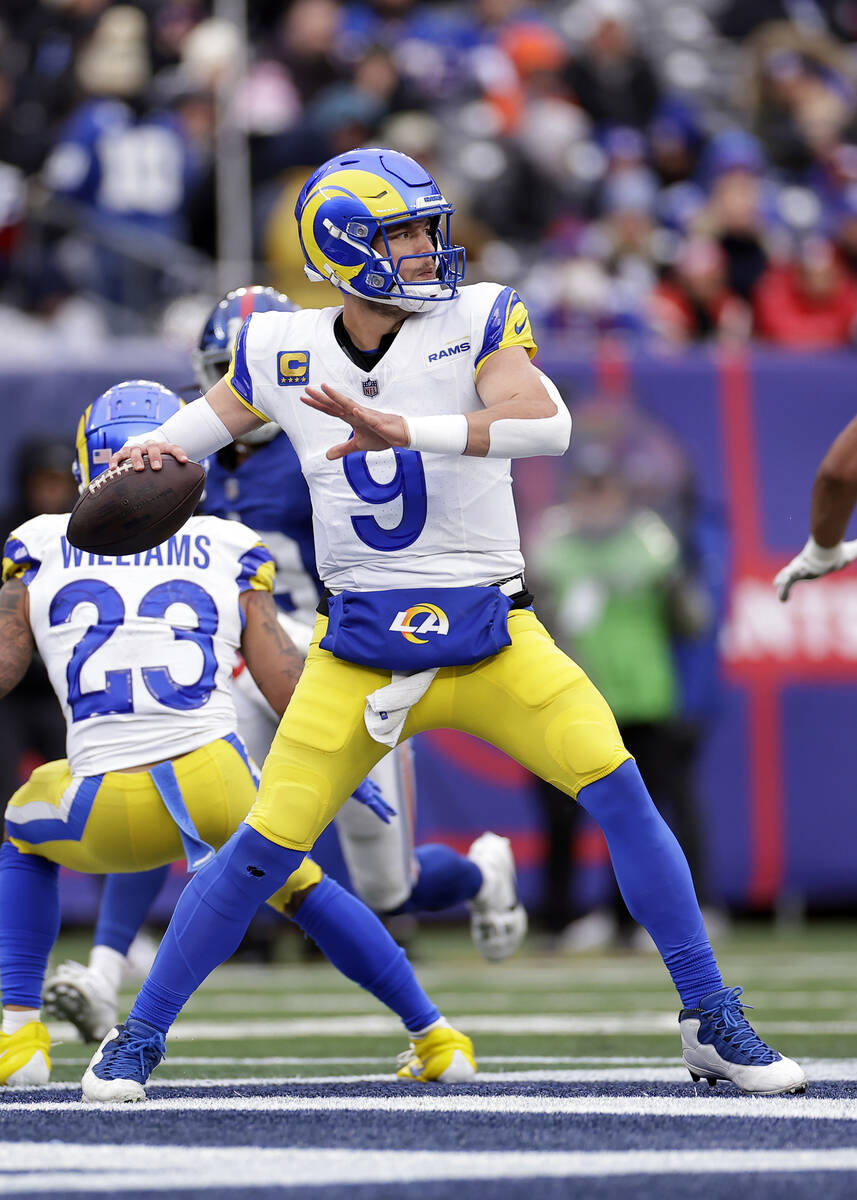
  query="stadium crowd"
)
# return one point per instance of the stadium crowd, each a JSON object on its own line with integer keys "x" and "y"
{"x": 653, "y": 170}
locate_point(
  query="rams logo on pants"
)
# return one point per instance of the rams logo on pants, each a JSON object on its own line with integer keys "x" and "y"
{"x": 407, "y": 624}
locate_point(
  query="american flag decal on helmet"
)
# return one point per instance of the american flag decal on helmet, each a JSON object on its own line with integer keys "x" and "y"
{"x": 370, "y": 388}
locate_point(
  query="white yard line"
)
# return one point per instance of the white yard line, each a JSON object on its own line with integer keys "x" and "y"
{"x": 94, "y": 1169}
{"x": 421, "y": 1103}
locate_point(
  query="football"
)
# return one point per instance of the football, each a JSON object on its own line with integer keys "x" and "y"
{"x": 124, "y": 511}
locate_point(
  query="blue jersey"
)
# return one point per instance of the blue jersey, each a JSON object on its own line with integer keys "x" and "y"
{"x": 268, "y": 492}
{"x": 120, "y": 165}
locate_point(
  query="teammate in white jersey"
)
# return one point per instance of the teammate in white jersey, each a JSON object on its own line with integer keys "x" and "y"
{"x": 140, "y": 650}
{"x": 427, "y": 622}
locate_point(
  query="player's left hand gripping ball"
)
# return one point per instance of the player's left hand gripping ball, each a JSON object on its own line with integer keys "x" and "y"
{"x": 125, "y": 511}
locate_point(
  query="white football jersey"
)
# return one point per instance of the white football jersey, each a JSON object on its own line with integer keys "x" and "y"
{"x": 394, "y": 518}
{"x": 139, "y": 648}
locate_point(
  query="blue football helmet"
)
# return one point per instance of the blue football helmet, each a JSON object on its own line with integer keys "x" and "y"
{"x": 214, "y": 348}
{"x": 351, "y": 199}
{"x": 125, "y": 410}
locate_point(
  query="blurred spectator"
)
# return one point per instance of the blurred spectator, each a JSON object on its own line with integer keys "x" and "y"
{"x": 737, "y": 18}
{"x": 694, "y": 303}
{"x": 737, "y": 212}
{"x": 171, "y": 23}
{"x": 309, "y": 46}
{"x": 809, "y": 303}
{"x": 49, "y": 37}
{"x": 32, "y": 727}
{"x": 801, "y": 95}
{"x": 536, "y": 55}
{"x": 627, "y": 244}
{"x": 609, "y": 75}
{"x": 129, "y": 170}
{"x": 676, "y": 138}
{"x": 610, "y": 571}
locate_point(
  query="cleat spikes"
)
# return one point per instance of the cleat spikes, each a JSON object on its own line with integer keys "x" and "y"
{"x": 718, "y": 1042}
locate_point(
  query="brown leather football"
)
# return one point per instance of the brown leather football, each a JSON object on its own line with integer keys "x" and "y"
{"x": 124, "y": 511}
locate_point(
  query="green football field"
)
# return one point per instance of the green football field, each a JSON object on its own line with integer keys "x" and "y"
{"x": 536, "y": 1012}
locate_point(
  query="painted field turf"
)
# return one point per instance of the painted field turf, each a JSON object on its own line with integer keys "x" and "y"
{"x": 279, "y": 1082}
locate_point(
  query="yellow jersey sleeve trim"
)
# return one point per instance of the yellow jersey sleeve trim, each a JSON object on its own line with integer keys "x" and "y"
{"x": 238, "y": 376}
{"x": 257, "y": 569}
{"x": 256, "y": 412}
{"x": 508, "y": 324}
{"x": 18, "y": 562}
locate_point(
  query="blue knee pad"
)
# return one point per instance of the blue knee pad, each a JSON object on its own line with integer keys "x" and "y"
{"x": 210, "y": 920}
{"x": 125, "y": 901}
{"x": 354, "y": 941}
{"x": 654, "y": 878}
{"x": 446, "y": 878}
{"x": 29, "y": 923}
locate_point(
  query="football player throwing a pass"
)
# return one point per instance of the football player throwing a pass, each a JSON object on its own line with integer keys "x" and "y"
{"x": 405, "y": 406}
{"x": 386, "y": 869}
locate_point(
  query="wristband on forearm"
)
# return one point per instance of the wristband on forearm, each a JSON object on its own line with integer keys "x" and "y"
{"x": 821, "y": 558}
{"x": 438, "y": 435}
{"x": 196, "y": 427}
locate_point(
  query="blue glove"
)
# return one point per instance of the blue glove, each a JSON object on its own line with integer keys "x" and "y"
{"x": 369, "y": 793}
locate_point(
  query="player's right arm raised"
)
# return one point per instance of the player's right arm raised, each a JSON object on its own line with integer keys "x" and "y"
{"x": 272, "y": 658}
{"x": 199, "y": 429}
{"x": 834, "y": 495}
{"x": 16, "y": 636}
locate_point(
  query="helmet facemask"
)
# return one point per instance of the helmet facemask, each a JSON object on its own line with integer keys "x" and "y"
{"x": 382, "y": 282}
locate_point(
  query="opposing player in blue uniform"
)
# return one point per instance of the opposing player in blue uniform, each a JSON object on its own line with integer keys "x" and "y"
{"x": 426, "y": 621}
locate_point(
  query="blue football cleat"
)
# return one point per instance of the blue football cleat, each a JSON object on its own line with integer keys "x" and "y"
{"x": 718, "y": 1042}
{"x": 123, "y": 1063}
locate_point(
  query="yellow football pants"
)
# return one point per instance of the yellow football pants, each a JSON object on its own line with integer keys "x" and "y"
{"x": 530, "y": 700}
{"x": 129, "y": 829}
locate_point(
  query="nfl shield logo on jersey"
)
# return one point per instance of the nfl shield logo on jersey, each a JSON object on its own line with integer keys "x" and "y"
{"x": 370, "y": 388}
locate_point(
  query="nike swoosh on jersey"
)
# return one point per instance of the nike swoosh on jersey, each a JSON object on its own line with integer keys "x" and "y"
{"x": 520, "y": 328}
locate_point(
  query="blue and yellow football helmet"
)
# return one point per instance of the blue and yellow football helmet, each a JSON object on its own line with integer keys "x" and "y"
{"x": 354, "y": 197}
{"x": 125, "y": 410}
{"x": 214, "y": 348}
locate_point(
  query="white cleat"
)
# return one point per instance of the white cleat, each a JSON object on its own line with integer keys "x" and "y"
{"x": 84, "y": 997}
{"x": 719, "y": 1043}
{"x": 498, "y": 920}
{"x": 122, "y": 1064}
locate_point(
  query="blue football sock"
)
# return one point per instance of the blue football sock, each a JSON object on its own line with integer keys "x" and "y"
{"x": 29, "y": 923}
{"x": 446, "y": 878}
{"x": 210, "y": 920}
{"x": 125, "y": 901}
{"x": 352, "y": 938}
{"x": 654, "y": 878}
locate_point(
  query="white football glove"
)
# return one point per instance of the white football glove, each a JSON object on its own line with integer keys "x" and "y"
{"x": 813, "y": 561}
